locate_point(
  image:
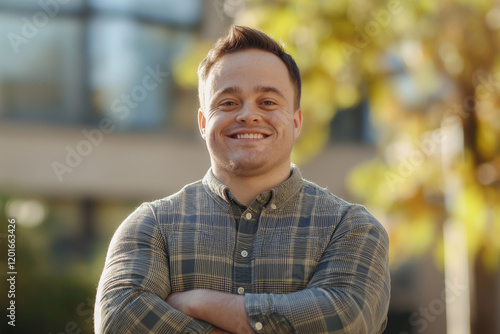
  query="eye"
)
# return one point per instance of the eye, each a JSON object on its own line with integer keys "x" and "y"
{"x": 268, "y": 103}
{"x": 227, "y": 105}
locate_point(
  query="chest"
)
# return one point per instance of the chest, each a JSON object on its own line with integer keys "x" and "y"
{"x": 262, "y": 254}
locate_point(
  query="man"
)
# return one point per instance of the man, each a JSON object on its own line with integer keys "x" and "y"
{"x": 252, "y": 247}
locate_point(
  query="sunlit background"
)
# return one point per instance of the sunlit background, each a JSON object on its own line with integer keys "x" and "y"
{"x": 401, "y": 105}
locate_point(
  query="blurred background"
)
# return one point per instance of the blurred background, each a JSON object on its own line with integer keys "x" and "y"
{"x": 401, "y": 104}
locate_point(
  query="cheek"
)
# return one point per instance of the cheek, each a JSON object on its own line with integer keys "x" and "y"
{"x": 284, "y": 124}
{"x": 215, "y": 126}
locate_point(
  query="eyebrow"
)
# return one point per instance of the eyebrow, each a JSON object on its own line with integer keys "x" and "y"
{"x": 228, "y": 90}
{"x": 257, "y": 89}
{"x": 268, "y": 89}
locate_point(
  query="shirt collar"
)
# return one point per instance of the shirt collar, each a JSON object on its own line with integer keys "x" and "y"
{"x": 277, "y": 195}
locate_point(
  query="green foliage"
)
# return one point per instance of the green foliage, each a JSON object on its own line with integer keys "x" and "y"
{"x": 422, "y": 65}
{"x": 55, "y": 283}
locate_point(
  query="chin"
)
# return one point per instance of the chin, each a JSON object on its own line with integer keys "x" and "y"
{"x": 247, "y": 167}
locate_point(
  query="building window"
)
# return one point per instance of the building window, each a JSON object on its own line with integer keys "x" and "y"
{"x": 75, "y": 62}
{"x": 352, "y": 125}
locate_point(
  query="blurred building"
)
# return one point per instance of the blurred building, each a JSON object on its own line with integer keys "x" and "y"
{"x": 90, "y": 111}
{"x": 92, "y": 123}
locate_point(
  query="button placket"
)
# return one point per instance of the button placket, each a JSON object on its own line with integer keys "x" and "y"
{"x": 245, "y": 235}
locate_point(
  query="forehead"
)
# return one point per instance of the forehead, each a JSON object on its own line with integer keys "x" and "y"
{"x": 249, "y": 68}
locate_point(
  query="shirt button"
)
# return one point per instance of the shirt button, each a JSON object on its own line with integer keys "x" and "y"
{"x": 258, "y": 326}
{"x": 241, "y": 290}
{"x": 273, "y": 206}
{"x": 244, "y": 253}
{"x": 248, "y": 215}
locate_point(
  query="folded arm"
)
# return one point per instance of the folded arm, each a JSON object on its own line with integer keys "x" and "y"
{"x": 135, "y": 282}
{"x": 348, "y": 293}
{"x": 225, "y": 310}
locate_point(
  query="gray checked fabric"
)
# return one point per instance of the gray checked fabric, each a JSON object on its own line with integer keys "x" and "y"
{"x": 305, "y": 261}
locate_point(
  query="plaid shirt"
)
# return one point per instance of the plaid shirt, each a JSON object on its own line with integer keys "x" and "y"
{"x": 305, "y": 260}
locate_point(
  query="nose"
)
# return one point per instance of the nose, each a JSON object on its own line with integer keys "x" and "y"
{"x": 248, "y": 114}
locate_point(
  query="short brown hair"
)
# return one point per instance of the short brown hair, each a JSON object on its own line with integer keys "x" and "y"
{"x": 241, "y": 38}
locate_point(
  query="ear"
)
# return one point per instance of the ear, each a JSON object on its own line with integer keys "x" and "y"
{"x": 202, "y": 122}
{"x": 297, "y": 122}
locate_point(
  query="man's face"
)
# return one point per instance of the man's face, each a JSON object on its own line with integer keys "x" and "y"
{"x": 248, "y": 118}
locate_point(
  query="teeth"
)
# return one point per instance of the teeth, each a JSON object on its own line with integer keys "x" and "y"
{"x": 250, "y": 136}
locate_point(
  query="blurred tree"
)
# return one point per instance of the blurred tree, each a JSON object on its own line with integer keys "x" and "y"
{"x": 56, "y": 277}
{"x": 426, "y": 67}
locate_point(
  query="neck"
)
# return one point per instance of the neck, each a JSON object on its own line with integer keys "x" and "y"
{"x": 247, "y": 187}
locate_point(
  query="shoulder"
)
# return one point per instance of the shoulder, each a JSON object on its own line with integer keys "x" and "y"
{"x": 347, "y": 215}
{"x": 186, "y": 202}
{"x": 324, "y": 200}
{"x": 149, "y": 216}
{"x": 188, "y": 193}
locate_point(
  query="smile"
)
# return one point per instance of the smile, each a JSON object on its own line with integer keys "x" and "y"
{"x": 249, "y": 136}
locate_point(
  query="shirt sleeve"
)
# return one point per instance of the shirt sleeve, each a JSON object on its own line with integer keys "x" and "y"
{"x": 349, "y": 291}
{"x": 135, "y": 283}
